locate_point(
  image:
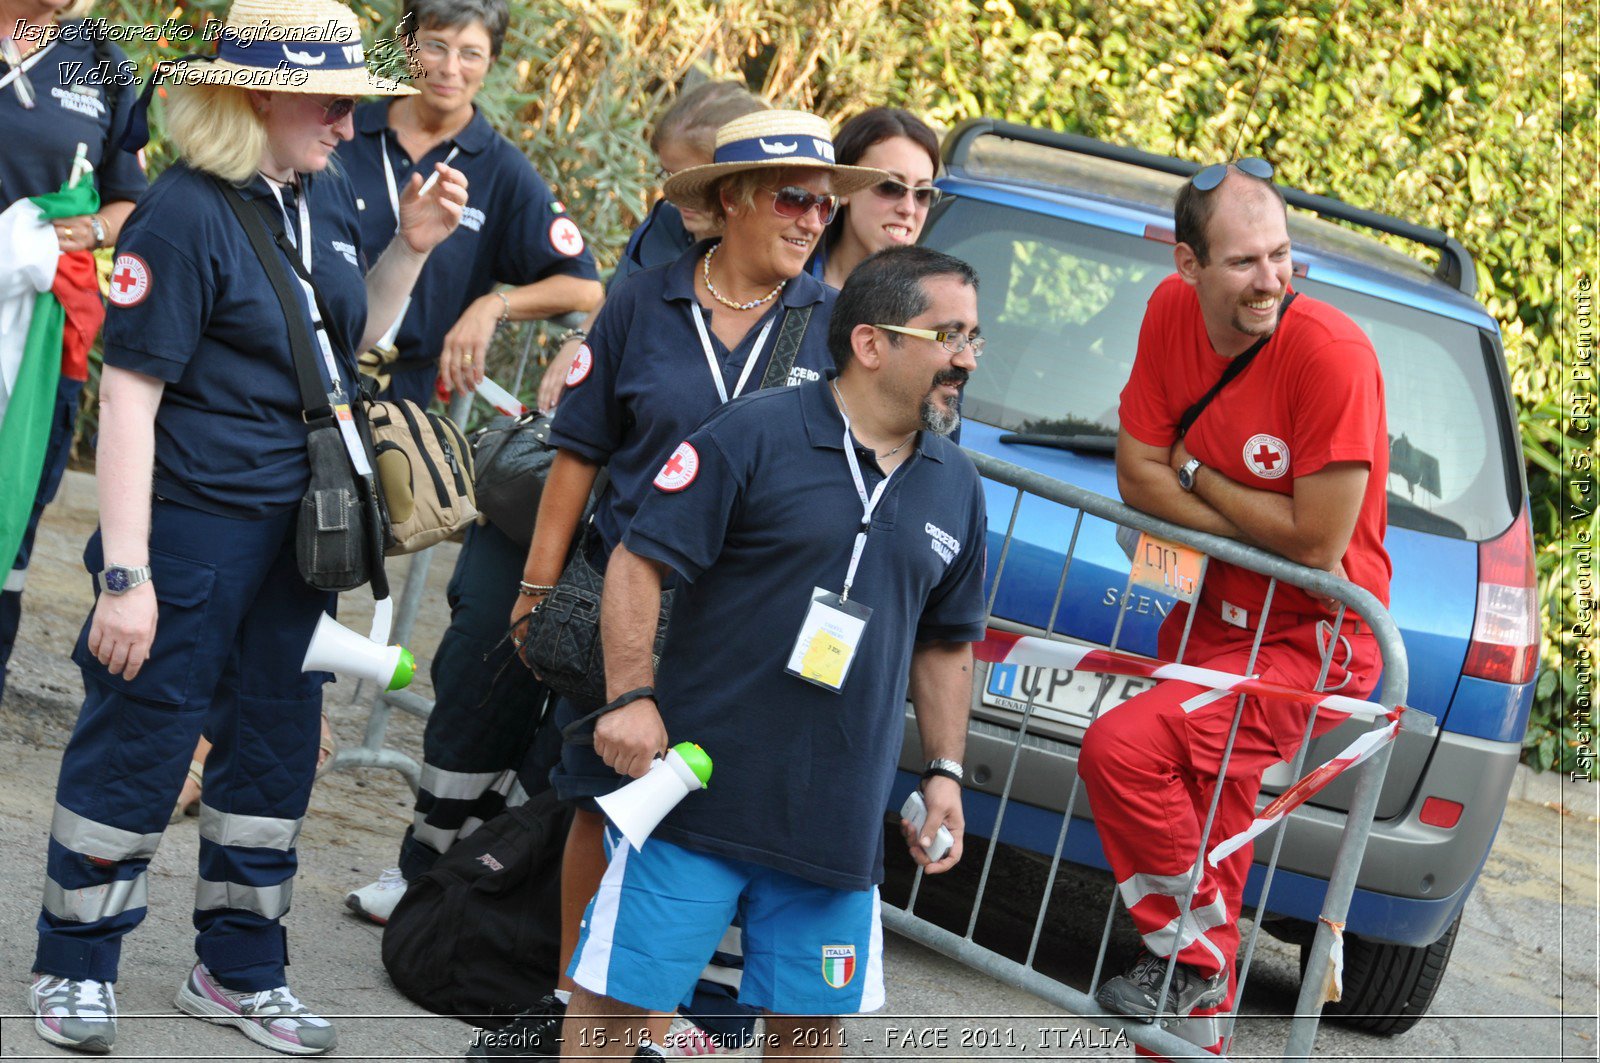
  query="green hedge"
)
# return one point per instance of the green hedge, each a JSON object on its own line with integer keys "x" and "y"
{"x": 1467, "y": 117}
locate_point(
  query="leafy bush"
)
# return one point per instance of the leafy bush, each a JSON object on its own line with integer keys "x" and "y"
{"x": 1458, "y": 115}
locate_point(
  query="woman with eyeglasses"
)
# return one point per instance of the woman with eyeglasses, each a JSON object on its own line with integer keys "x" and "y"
{"x": 51, "y": 104}
{"x": 673, "y": 344}
{"x": 202, "y": 618}
{"x": 891, "y": 212}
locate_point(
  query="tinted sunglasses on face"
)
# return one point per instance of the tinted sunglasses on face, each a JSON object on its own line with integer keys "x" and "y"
{"x": 894, "y": 191}
{"x": 792, "y": 202}
{"x": 1212, "y": 175}
{"x": 338, "y": 110}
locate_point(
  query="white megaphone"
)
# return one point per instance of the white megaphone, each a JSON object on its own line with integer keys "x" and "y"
{"x": 640, "y": 805}
{"x": 335, "y": 648}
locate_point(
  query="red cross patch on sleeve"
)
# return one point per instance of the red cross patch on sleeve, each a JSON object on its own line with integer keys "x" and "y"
{"x": 130, "y": 280}
{"x": 565, "y": 237}
{"x": 582, "y": 363}
{"x": 680, "y": 470}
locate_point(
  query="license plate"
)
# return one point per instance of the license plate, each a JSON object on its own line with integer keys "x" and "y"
{"x": 1060, "y": 695}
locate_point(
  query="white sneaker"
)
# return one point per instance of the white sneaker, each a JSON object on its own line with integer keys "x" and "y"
{"x": 377, "y": 900}
{"x": 74, "y": 1014}
{"x": 272, "y": 1017}
{"x": 686, "y": 1038}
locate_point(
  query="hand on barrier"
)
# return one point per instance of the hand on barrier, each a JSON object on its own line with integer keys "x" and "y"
{"x": 629, "y": 738}
{"x": 124, "y": 629}
{"x": 466, "y": 345}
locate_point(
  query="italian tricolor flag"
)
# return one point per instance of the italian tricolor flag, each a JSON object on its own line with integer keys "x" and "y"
{"x": 38, "y": 283}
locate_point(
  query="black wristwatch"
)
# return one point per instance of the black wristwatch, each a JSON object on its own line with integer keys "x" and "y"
{"x": 950, "y": 769}
{"x": 1186, "y": 473}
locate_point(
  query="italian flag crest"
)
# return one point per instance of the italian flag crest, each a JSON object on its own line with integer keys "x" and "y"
{"x": 838, "y": 965}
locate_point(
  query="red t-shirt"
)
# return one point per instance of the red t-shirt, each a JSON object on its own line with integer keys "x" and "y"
{"x": 1313, "y": 395}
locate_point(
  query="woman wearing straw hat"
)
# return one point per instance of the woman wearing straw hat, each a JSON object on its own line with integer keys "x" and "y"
{"x": 202, "y": 618}
{"x": 672, "y": 344}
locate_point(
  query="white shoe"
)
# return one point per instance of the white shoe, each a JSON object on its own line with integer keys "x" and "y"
{"x": 686, "y": 1038}
{"x": 73, "y": 1013}
{"x": 272, "y": 1017}
{"x": 377, "y": 900}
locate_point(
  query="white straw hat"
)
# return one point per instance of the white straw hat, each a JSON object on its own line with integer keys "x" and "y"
{"x": 310, "y": 46}
{"x": 767, "y": 140}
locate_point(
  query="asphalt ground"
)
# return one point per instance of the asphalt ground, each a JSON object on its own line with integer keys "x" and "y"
{"x": 1522, "y": 984}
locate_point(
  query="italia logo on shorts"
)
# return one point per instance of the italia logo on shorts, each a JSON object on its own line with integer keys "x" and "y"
{"x": 838, "y": 965}
{"x": 130, "y": 280}
{"x": 582, "y": 362}
{"x": 680, "y": 469}
{"x": 1267, "y": 456}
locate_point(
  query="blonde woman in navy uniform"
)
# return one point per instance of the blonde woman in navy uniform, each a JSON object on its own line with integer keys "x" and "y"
{"x": 202, "y": 617}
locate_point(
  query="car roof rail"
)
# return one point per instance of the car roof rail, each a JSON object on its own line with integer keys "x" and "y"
{"x": 1455, "y": 262}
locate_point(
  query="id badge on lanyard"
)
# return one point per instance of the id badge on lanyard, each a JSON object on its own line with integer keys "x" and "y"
{"x": 387, "y": 339}
{"x": 830, "y": 636}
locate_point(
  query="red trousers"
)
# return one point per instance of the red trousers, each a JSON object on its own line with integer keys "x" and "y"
{"x": 1152, "y": 766}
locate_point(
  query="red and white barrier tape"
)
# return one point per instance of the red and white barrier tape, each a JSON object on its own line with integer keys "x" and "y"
{"x": 1002, "y": 647}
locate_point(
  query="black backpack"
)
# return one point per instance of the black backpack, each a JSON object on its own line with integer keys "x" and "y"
{"x": 478, "y": 937}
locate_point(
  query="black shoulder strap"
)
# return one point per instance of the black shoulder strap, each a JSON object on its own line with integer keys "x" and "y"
{"x": 1230, "y": 374}
{"x": 787, "y": 347}
{"x": 313, "y": 395}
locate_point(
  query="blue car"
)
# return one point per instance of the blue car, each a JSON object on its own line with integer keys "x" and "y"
{"x": 1070, "y": 237}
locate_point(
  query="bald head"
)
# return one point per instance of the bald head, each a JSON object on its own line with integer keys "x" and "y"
{"x": 1194, "y": 210}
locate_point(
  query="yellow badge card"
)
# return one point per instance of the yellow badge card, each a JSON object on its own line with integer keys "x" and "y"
{"x": 1167, "y": 568}
{"x": 828, "y": 640}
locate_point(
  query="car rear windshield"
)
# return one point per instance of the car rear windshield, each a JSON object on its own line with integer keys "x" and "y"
{"x": 1061, "y": 305}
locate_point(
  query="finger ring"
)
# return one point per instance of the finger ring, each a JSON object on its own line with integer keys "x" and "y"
{"x": 67, "y": 232}
{"x": 466, "y": 359}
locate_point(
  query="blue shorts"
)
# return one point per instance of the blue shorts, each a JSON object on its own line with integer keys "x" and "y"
{"x": 661, "y": 911}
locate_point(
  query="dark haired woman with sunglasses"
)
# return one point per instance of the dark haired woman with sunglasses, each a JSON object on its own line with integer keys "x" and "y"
{"x": 892, "y": 211}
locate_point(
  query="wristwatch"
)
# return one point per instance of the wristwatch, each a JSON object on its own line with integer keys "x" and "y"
{"x": 1186, "y": 473}
{"x": 120, "y": 579}
{"x": 950, "y": 769}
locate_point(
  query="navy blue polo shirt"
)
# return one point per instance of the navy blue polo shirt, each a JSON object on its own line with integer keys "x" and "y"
{"x": 191, "y": 305}
{"x": 513, "y": 231}
{"x": 801, "y": 775}
{"x": 74, "y": 105}
{"x": 643, "y": 383}
{"x": 659, "y": 239}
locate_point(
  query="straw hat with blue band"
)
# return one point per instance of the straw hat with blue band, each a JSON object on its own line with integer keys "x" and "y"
{"x": 307, "y": 46}
{"x": 767, "y": 140}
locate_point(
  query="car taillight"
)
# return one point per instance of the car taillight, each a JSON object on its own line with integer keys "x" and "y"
{"x": 1505, "y": 630}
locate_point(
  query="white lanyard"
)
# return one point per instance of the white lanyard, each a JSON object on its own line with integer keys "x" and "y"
{"x": 711, "y": 358}
{"x": 868, "y": 504}
{"x": 387, "y": 339}
{"x": 304, "y": 246}
{"x": 26, "y": 65}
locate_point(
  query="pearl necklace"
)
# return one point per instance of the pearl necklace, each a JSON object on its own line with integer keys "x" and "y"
{"x": 705, "y": 272}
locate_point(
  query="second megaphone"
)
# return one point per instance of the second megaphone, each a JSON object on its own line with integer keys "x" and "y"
{"x": 640, "y": 805}
{"x": 335, "y": 648}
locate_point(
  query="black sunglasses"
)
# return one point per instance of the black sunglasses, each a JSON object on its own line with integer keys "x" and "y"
{"x": 1212, "y": 175}
{"x": 894, "y": 191}
{"x": 792, "y": 202}
{"x": 338, "y": 110}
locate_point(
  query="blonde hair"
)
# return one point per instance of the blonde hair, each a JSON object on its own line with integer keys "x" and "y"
{"x": 76, "y": 9}
{"x": 215, "y": 129}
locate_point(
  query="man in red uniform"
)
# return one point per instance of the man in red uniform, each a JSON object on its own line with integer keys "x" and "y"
{"x": 1292, "y": 455}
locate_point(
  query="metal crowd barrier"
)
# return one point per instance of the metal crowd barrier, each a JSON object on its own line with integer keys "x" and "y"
{"x": 1079, "y": 504}
{"x": 372, "y": 753}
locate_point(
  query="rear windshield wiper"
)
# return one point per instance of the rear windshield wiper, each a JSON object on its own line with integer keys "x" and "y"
{"x": 1088, "y": 444}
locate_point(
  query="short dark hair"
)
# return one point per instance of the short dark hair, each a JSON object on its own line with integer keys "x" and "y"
{"x": 448, "y": 14}
{"x": 696, "y": 115}
{"x": 880, "y": 123}
{"x": 1191, "y": 212}
{"x": 886, "y": 289}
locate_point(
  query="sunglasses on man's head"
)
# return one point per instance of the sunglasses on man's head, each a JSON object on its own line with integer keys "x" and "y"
{"x": 1212, "y": 175}
{"x": 338, "y": 110}
{"x": 792, "y": 202}
{"x": 894, "y": 191}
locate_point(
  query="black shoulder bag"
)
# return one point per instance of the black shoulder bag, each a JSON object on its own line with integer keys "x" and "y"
{"x": 563, "y": 641}
{"x": 1234, "y": 369}
{"x": 338, "y": 540}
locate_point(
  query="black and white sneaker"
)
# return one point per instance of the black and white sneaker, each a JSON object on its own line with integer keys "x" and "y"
{"x": 536, "y": 1033}
{"x": 1135, "y": 994}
